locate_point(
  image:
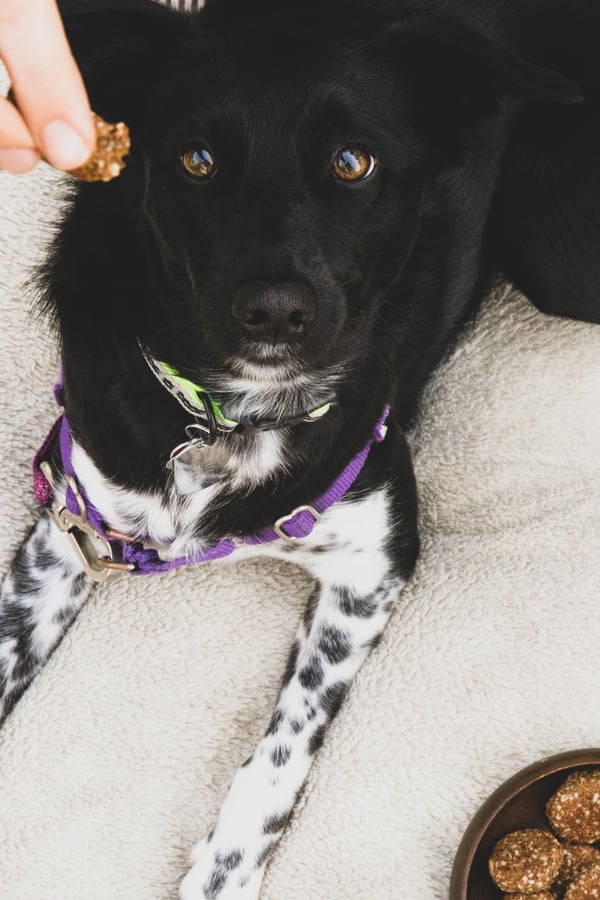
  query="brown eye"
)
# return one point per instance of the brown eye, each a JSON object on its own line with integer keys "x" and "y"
{"x": 198, "y": 162}
{"x": 353, "y": 164}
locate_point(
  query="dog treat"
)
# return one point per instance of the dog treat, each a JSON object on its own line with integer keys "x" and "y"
{"x": 574, "y": 810}
{"x": 113, "y": 143}
{"x": 576, "y": 857}
{"x": 107, "y": 160}
{"x": 526, "y": 861}
{"x": 539, "y": 895}
{"x": 585, "y": 885}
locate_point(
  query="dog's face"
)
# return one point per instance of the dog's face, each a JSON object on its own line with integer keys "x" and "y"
{"x": 282, "y": 184}
{"x": 282, "y": 188}
{"x": 278, "y": 173}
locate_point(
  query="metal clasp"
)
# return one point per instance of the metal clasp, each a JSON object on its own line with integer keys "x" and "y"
{"x": 278, "y": 526}
{"x": 94, "y": 551}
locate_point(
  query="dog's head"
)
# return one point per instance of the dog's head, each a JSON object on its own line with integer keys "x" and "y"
{"x": 281, "y": 157}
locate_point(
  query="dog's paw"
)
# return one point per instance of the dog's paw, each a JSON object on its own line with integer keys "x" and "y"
{"x": 220, "y": 875}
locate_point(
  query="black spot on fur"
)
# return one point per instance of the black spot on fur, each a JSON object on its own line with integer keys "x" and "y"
{"x": 311, "y": 607}
{"x": 316, "y": 740}
{"x": 331, "y": 699}
{"x": 351, "y": 605}
{"x": 9, "y": 702}
{"x": 231, "y": 860}
{"x": 375, "y": 641}
{"x": 26, "y": 665}
{"x": 311, "y": 676}
{"x": 45, "y": 558}
{"x": 280, "y": 755}
{"x": 275, "y": 723}
{"x": 39, "y": 542}
{"x": 292, "y": 662}
{"x": 64, "y": 616}
{"x": 25, "y": 582}
{"x": 334, "y": 644}
{"x": 262, "y": 858}
{"x": 15, "y": 620}
{"x": 275, "y": 824}
{"x": 80, "y": 582}
{"x": 215, "y": 884}
{"x": 297, "y": 726}
{"x": 17, "y": 624}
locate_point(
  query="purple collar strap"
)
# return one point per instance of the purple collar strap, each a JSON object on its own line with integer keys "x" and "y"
{"x": 113, "y": 553}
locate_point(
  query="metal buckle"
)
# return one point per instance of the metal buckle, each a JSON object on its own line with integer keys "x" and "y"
{"x": 208, "y": 431}
{"x": 278, "y": 526}
{"x": 94, "y": 551}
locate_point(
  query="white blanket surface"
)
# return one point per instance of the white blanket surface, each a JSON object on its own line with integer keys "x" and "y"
{"x": 118, "y": 757}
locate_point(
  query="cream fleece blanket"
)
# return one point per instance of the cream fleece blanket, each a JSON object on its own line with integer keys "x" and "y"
{"x": 119, "y": 756}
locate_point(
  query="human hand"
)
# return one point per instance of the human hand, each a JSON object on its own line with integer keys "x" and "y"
{"x": 53, "y": 116}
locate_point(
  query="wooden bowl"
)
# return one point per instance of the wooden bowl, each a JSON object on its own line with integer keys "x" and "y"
{"x": 518, "y": 803}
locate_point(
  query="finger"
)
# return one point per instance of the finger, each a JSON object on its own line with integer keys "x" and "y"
{"x": 17, "y": 147}
{"x": 46, "y": 81}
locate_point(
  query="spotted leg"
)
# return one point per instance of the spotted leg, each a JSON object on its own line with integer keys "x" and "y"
{"x": 345, "y": 617}
{"x": 41, "y": 595}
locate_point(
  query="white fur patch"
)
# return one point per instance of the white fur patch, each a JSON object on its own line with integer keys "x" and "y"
{"x": 168, "y": 521}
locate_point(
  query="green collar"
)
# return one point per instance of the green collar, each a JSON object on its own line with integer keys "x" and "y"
{"x": 198, "y": 402}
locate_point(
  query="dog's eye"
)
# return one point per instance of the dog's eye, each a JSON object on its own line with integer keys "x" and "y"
{"x": 198, "y": 162}
{"x": 353, "y": 164}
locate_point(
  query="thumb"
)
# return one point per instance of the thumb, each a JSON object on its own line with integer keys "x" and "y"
{"x": 46, "y": 81}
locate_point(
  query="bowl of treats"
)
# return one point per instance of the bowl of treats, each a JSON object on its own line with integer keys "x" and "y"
{"x": 537, "y": 837}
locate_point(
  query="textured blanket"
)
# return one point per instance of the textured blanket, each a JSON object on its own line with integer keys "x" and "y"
{"x": 119, "y": 756}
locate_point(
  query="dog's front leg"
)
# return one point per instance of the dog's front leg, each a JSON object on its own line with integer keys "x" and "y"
{"x": 41, "y": 595}
{"x": 344, "y": 620}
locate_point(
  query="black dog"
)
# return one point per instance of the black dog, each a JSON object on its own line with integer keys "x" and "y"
{"x": 315, "y": 201}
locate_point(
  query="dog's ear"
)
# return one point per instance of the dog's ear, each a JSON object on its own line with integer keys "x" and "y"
{"x": 121, "y": 47}
{"x": 460, "y": 78}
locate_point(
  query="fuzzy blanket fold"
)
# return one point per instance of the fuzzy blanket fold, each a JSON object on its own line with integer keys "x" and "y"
{"x": 119, "y": 755}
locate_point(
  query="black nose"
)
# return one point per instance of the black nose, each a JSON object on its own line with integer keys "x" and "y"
{"x": 274, "y": 312}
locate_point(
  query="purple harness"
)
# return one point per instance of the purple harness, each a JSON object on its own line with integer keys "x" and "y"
{"x": 130, "y": 555}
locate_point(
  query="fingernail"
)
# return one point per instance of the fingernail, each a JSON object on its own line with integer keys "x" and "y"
{"x": 18, "y": 160}
{"x": 63, "y": 146}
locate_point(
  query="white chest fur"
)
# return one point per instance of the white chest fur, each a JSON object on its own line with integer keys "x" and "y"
{"x": 350, "y": 537}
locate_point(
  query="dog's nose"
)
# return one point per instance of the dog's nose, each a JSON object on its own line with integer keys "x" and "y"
{"x": 274, "y": 312}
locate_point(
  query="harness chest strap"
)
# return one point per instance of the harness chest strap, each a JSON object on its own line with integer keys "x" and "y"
{"x": 86, "y": 526}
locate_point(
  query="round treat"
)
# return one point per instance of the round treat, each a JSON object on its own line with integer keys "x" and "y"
{"x": 585, "y": 885}
{"x": 576, "y": 857}
{"x": 574, "y": 810}
{"x": 112, "y": 145}
{"x": 539, "y": 895}
{"x": 526, "y": 861}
